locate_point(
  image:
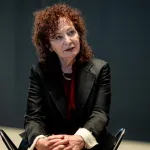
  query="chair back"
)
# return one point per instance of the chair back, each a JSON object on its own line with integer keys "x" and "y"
{"x": 119, "y": 136}
{"x": 111, "y": 142}
{"x": 9, "y": 144}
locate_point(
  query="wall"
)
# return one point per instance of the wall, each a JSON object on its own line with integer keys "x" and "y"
{"x": 118, "y": 32}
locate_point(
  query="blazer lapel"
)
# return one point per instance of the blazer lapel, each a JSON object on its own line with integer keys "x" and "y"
{"x": 56, "y": 92}
{"x": 85, "y": 80}
{"x": 54, "y": 82}
{"x": 60, "y": 102}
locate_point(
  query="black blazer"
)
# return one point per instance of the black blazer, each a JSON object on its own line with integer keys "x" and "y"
{"x": 47, "y": 105}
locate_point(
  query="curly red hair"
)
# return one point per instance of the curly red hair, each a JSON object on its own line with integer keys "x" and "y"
{"x": 46, "y": 24}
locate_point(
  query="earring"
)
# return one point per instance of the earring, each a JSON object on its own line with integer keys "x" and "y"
{"x": 50, "y": 50}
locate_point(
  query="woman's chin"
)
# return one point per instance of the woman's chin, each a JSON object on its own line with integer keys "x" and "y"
{"x": 70, "y": 54}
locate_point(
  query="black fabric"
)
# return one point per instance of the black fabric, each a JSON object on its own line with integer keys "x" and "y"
{"x": 47, "y": 105}
{"x": 23, "y": 145}
{"x": 108, "y": 141}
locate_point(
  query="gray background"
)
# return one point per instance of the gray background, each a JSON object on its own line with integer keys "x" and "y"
{"x": 118, "y": 32}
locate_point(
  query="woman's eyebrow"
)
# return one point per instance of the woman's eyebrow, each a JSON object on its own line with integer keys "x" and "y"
{"x": 58, "y": 33}
{"x": 70, "y": 28}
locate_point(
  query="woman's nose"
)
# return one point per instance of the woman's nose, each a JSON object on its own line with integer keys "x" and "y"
{"x": 67, "y": 39}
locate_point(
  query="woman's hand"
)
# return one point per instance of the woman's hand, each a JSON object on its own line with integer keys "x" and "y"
{"x": 75, "y": 142}
{"x": 50, "y": 143}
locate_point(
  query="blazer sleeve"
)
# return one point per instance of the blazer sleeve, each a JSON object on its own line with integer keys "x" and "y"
{"x": 99, "y": 117}
{"x": 34, "y": 117}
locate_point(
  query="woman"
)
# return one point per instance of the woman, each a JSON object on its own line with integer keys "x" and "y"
{"x": 69, "y": 93}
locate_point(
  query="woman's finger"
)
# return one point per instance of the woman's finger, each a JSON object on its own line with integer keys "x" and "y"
{"x": 51, "y": 142}
{"x": 60, "y": 147}
{"x": 61, "y": 142}
{"x": 68, "y": 148}
{"x": 55, "y": 137}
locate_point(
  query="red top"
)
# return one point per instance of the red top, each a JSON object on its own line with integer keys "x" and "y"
{"x": 69, "y": 87}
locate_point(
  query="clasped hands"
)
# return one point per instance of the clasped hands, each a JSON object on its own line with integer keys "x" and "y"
{"x": 60, "y": 142}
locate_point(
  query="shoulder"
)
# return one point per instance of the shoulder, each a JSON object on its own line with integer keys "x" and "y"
{"x": 98, "y": 65}
{"x": 36, "y": 69}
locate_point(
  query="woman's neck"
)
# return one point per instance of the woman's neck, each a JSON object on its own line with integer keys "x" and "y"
{"x": 66, "y": 64}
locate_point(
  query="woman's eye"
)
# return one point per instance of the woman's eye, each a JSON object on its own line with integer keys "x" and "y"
{"x": 72, "y": 32}
{"x": 58, "y": 37}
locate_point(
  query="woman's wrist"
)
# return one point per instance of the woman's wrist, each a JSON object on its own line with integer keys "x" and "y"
{"x": 35, "y": 144}
{"x": 81, "y": 140}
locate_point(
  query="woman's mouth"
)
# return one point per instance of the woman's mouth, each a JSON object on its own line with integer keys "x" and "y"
{"x": 69, "y": 49}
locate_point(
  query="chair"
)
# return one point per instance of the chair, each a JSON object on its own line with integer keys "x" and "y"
{"x": 110, "y": 142}
{"x": 119, "y": 136}
{"x": 9, "y": 144}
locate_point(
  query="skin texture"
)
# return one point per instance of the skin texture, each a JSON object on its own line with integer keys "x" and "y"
{"x": 46, "y": 24}
{"x": 61, "y": 142}
{"x": 66, "y": 37}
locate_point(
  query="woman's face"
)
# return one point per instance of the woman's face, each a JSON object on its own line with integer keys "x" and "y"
{"x": 66, "y": 42}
